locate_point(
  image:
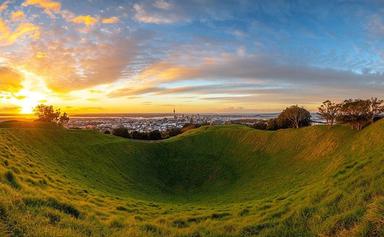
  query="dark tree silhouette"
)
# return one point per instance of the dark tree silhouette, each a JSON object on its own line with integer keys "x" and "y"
{"x": 47, "y": 113}
{"x": 376, "y": 108}
{"x": 328, "y": 111}
{"x": 154, "y": 135}
{"x": 63, "y": 119}
{"x": 294, "y": 117}
{"x": 121, "y": 132}
{"x": 357, "y": 113}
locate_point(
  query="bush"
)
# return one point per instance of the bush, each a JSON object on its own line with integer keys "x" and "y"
{"x": 173, "y": 132}
{"x": 154, "y": 135}
{"x": 272, "y": 124}
{"x": 121, "y": 132}
{"x": 262, "y": 125}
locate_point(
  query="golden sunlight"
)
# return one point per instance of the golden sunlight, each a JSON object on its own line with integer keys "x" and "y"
{"x": 33, "y": 93}
{"x": 29, "y": 101}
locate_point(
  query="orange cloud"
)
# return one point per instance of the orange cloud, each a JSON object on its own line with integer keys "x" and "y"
{"x": 49, "y": 6}
{"x": 7, "y": 37}
{"x": 17, "y": 15}
{"x": 166, "y": 72}
{"x": 82, "y": 66}
{"x": 10, "y": 80}
{"x": 87, "y": 20}
{"x": 111, "y": 20}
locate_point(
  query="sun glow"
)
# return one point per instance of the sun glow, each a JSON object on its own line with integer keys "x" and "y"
{"x": 33, "y": 93}
{"x": 29, "y": 101}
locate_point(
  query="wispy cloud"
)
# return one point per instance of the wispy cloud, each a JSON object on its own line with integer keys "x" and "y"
{"x": 9, "y": 37}
{"x": 86, "y": 20}
{"x": 155, "y": 15}
{"x": 49, "y": 6}
{"x": 162, "y": 4}
{"x": 17, "y": 15}
{"x": 110, "y": 20}
{"x": 4, "y": 5}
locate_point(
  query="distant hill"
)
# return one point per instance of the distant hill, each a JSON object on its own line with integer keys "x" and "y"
{"x": 211, "y": 181}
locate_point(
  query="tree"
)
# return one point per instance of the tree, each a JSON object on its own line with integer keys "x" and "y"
{"x": 47, "y": 113}
{"x": 272, "y": 124}
{"x": 154, "y": 135}
{"x": 376, "y": 108}
{"x": 63, "y": 119}
{"x": 139, "y": 135}
{"x": 171, "y": 132}
{"x": 357, "y": 113}
{"x": 121, "y": 132}
{"x": 260, "y": 124}
{"x": 294, "y": 117}
{"x": 328, "y": 111}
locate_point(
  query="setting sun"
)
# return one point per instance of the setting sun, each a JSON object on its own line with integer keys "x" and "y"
{"x": 30, "y": 101}
{"x": 33, "y": 92}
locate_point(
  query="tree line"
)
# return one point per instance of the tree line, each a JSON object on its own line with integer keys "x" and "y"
{"x": 357, "y": 113}
{"x": 152, "y": 135}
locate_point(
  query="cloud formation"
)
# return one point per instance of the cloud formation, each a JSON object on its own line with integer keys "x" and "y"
{"x": 157, "y": 14}
{"x": 81, "y": 66}
{"x": 110, "y": 20}
{"x": 49, "y": 6}
{"x": 17, "y": 15}
{"x": 233, "y": 54}
{"x": 86, "y": 20}
{"x": 4, "y": 5}
{"x": 10, "y": 80}
{"x": 9, "y": 37}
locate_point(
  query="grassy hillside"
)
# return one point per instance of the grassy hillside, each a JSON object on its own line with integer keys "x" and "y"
{"x": 212, "y": 181}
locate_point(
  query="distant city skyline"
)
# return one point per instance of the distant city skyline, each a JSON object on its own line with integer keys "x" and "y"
{"x": 154, "y": 56}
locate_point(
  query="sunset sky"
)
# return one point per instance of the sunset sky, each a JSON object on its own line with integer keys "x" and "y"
{"x": 99, "y": 56}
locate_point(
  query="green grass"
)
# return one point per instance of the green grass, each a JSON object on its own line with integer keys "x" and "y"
{"x": 211, "y": 181}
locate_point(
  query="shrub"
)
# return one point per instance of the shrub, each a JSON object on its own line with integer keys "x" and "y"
{"x": 121, "y": 132}
{"x": 262, "y": 125}
{"x": 272, "y": 124}
{"x": 154, "y": 135}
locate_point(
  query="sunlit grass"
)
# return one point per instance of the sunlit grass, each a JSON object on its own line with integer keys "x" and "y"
{"x": 212, "y": 181}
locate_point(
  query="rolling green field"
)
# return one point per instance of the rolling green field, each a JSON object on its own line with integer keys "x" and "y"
{"x": 211, "y": 181}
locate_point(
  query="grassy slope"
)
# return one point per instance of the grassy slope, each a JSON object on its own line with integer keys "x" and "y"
{"x": 213, "y": 181}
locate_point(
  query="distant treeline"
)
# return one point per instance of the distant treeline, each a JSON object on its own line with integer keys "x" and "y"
{"x": 152, "y": 135}
{"x": 357, "y": 113}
